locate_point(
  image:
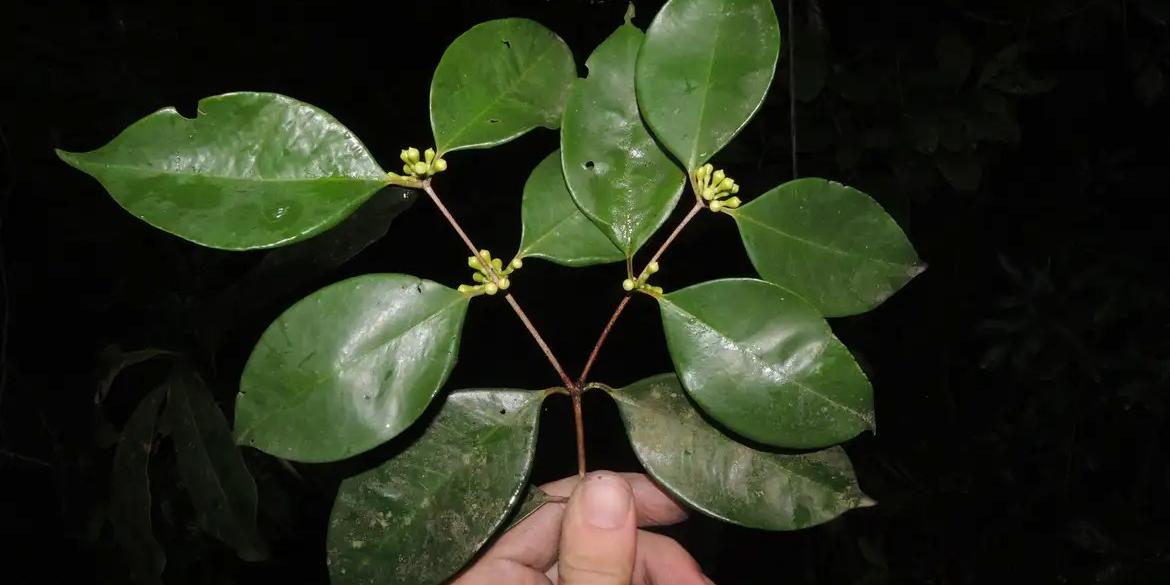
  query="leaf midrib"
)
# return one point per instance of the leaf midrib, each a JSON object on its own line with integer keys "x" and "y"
{"x": 257, "y": 179}
{"x": 764, "y": 364}
{"x": 819, "y": 245}
{"x": 780, "y": 458}
{"x": 706, "y": 93}
{"x": 499, "y": 97}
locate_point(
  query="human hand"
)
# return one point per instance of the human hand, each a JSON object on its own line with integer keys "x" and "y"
{"x": 592, "y": 539}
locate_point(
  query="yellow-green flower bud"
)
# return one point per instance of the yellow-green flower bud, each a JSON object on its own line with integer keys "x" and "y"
{"x": 463, "y": 288}
{"x": 478, "y": 277}
{"x": 716, "y": 205}
{"x": 491, "y": 288}
{"x": 731, "y": 202}
{"x": 505, "y": 283}
{"x": 412, "y": 155}
{"x": 735, "y": 188}
{"x": 517, "y": 263}
{"x": 655, "y": 289}
{"x": 497, "y": 264}
{"x": 485, "y": 255}
{"x": 439, "y": 165}
{"x": 718, "y": 177}
{"x": 429, "y": 155}
{"x": 628, "y": 284}
{"x": 420, "y": 168}
{"x": 473, "y": 263}
{"x": 405, "y": 156}
{"x": 709, "y": 193}
{"x": 409, "y": 170}
{"x": 652, "y": 267}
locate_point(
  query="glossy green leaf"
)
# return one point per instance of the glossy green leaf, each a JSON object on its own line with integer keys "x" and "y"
{"x": 212, "y": 469}
{"x": 831, "y": 244}
{"x": 617, "y": 173}
{"x": 763, "y": 362}
{"x": 703, "y": 72}
{"x": 418, "y": 518}
{"x": 251, "y": 170}
{"x": 553, "y": 227}
{"x": 497, "y": 81}
{"x": 130, "y": 499}
{"x": 349, "y": 367}
{"x": 531, "y": 500}
{"x": 726, "y": 479}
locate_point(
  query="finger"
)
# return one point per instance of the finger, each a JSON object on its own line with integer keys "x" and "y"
{"x": 662, "y": 561}
{"x": 599, "y": 533}
{"x": 654, "y": 506}
{"x": 534, "y": 542}
{"x": 496, "y": 571}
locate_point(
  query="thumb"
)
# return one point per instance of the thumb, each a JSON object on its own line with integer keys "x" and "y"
{"x": 599, "y": 533}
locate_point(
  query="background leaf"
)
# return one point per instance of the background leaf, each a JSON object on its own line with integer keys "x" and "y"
{"x": 728, "y": 480}
{"x": 763, "y": 362}
{"x": 251, "y": 170}
{"x": 617, "y": 173}
{"x": 703, "y": 72}
{"x": 418, "y": 518}
{"x": 831, "y": 244}
{"x": 130, "y": 500}
{"x": 211, "y": 467}
{"x": 553, "y": 227}
{"x": 497, "y": 81}
{"x": 349, "y": 367}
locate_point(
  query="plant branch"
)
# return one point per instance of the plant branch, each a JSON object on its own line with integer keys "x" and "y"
{"x": 626, "y": 299}
{"x": 552, "y": 359}
{"x": 579, "y": 423}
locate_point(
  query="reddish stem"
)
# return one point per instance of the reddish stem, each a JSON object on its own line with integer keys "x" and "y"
{"x": 552, "y": 359}
{"x": 626, "y": 299}
{"x": 579, "y": 422}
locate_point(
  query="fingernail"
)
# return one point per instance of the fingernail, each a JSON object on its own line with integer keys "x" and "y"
{"x": 606, "y": 502}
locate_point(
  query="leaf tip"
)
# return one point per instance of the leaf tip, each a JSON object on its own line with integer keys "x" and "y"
{"x": 866, "y": 502}
{"x": 630, "y": 13}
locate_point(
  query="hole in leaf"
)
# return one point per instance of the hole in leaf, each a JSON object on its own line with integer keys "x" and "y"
{"x": 507, "y": 44}
{"x": 493, "y": 121}
{"x": 503, "y": 411}
{"x": 589, "y": 165}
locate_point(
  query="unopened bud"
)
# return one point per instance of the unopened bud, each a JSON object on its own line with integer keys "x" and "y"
{"x": 487, "y": 256}
{"x": 420, "y": 168}
{"x": 409, "y": 170}
{"x": 709, "y": 193}
{"x": 405, "y": 156}
{"x": 497, "y": 264}
{"x": 735, "y": 188}
{"x": 463, "y": 288}
{"x": 716, "y": 205}
{"x": 478, "y": 277}
{"x": 473, "y": 263}
{"x": 718, "y": 177}
{"x": 412, "y": 155}
{"x": 439, "y": 165}
{"x": 628, "y": 284}
{"x": 731, "y": 202}
{"x": 652, "y": 267}
{"x": 505, "y": 283}
{"x": 429, "y": 155}
{"x": 491, "y": 288}
{"x": 517, "y": 263}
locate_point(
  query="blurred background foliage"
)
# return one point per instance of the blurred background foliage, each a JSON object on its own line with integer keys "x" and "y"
{"x": 1021, "y": 382}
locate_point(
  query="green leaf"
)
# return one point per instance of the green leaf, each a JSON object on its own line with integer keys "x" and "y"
{"x": 763, "y": 362}
{"x": 617, "y": 173}
{"x": 497, "y": 81}
{"x": 211, "y": 466}
{"x": 419, "y": 517}
{"x": 531, "y": 500}
{"x": 720, "y": 477}
{"x": 703, "y": 72}
{"x": 349, "y": 367}
{"x": 251, "y": 170}
{"x": 114, "y": 360}
{"x": 553, "y": 227}
{"x": 130, "y": 499}
{"x": 831, "y": 244}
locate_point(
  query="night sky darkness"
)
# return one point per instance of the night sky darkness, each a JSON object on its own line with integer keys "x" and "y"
{"x": 1021, "y": 382}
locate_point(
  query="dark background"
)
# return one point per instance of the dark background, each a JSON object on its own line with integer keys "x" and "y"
{"x": 1021, "y": 382}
